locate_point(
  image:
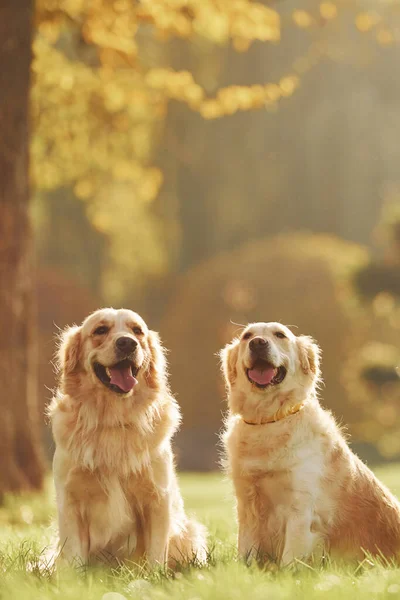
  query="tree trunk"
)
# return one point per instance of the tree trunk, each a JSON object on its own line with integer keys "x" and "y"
{"x": 20, "y": 448}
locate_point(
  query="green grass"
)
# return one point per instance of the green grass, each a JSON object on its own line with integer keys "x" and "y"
{"x": 25, "y": 532}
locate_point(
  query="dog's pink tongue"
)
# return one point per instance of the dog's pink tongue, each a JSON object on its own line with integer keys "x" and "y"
{"x": 262, "y": 376}
{"x": 123, "y": 378}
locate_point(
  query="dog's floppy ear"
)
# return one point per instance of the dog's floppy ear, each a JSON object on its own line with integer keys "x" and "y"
{"x": 309, "y": 355}
{"x": 158, "y": 363}
{"x": 69, "y": 351}
{"x": 229, "y": 356}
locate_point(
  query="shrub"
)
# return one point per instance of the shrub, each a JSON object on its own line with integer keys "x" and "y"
{"x": 298, "y": 279}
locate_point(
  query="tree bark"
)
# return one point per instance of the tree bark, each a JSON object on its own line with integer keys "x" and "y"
{"x": 21, "y": 464}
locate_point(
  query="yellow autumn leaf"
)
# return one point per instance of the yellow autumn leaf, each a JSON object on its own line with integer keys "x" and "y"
{"x": 328, "y": 10}
{"x": 302, "y": 18}
{"x": 384, "y": 37}
{"x": 365, "y": 21}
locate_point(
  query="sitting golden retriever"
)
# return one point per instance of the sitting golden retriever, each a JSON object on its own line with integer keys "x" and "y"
{"x": 300, "y": 490}
{"x": 113, "y": 418}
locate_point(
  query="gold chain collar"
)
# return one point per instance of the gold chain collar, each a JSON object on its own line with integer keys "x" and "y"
{"x": 279, "y": 415}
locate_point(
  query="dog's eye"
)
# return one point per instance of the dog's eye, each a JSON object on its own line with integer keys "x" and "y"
{"x": 137, "y": 330}
{"x": 280, "y": 335}
{"x": 247, "y": 335}
{"x": 102, "y": 330}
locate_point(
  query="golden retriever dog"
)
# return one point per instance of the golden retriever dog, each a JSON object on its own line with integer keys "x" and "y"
{"x": 301, "y": 492}
{"x": 113, "y": 418}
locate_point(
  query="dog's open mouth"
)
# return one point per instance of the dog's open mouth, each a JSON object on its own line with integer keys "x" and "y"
{"x": 263, "y": 374}
{"x": 120, "y": 378}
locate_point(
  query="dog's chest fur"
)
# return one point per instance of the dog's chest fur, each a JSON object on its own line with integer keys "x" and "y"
{"x": 278, "y": 470}
{"x": 122, "y": 451}
{"x": 286, "y": 446}
{"x": 113, "y": 439}
{"x": 111, "y": 471}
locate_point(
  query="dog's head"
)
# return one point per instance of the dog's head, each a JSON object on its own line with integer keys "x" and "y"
{"x": 268, "y": 366}
{"x": 113, "y": 350}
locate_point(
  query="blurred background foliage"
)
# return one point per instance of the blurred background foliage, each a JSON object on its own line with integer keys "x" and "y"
{"x": 213, "y": 162}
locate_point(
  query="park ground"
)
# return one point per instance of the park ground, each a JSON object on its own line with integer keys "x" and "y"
{"x": 25, "y": 531}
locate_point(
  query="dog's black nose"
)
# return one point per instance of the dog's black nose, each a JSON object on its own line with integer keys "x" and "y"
{"x": 258, "y": 344}
{"x": 126, "y": 344}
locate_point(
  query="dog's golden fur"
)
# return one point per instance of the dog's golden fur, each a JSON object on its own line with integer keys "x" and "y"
{"x": 301, "y": 492}
{"x": 117, "y": 491}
